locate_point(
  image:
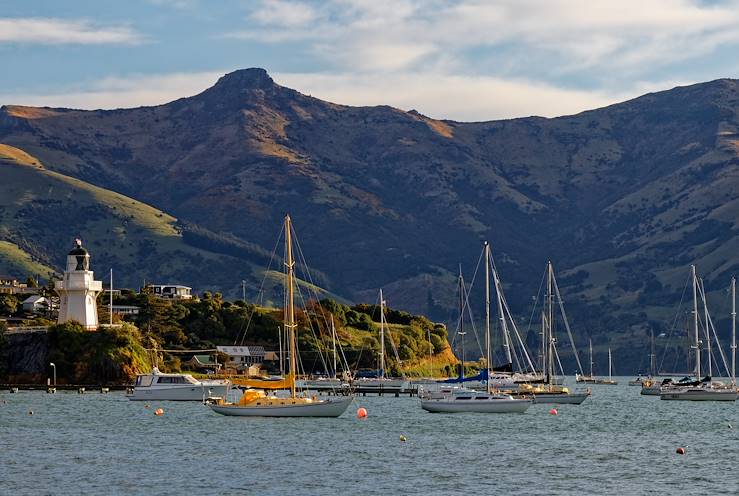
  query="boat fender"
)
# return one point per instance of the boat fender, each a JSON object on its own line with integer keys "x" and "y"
{"x": 553, "y": 411}
{"x": 159, "y": 412}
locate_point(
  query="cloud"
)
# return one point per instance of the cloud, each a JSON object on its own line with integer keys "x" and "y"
{"x": 567, "y": 36}
{"x": 119, "y": 92}
{"x": 458, "y": 97}
{"x": 50, "y": 31}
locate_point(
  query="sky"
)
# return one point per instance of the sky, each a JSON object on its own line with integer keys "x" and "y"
{"x": 466, "y": 60}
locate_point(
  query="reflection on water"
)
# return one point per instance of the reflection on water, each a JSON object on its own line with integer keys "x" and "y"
{"x": 617, "y": 442}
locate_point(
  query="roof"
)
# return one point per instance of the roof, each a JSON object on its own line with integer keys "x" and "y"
{"x": 242, "y": 350}
{"x": 168, "y": 286}
{"x": 203, "y": 359}
{"x": 34, "y": 299}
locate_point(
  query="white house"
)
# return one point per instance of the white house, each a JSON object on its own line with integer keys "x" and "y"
{"x": 172, "y": 291}
{"x": 35, "y": 304}
{"x": 243, "y": 356}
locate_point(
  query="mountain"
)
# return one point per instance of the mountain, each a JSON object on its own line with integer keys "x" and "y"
{"x": 622, "y": 198}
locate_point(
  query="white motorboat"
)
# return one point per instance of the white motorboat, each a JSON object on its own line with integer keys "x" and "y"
{"x": 157, "y": 386}
{"x": 461, "y": 399}
{"x": 382, "y": 384}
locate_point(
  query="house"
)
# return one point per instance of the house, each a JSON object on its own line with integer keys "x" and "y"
{"x": 35, "y": 304}
{"x": 203, "y": 362}
{"x": 124, "y": 310}
{"x": 171, "y": 291}
{"x": 11, "y": 285}
{"x": 242, "y": 357}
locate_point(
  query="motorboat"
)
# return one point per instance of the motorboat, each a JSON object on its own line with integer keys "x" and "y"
{"x": 551, "y": 393}
{"x": 158, "y": 386}
{"x": 461, "y": 399}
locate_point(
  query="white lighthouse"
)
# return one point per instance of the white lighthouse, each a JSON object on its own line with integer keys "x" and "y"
{"x": 78, "y": 290}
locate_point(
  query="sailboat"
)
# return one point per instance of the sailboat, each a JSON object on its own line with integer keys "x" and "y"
{"x": 701, "y": 389}
{"x": 587, "y": 378}
{"x": 382, "y": 382}
{"x": 457, "y": 399}
{"x": 257, "y": 402}
{"x": 549, "y": 391}
{"x": 609, "y": 381}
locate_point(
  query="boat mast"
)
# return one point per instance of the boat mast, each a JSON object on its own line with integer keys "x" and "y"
{"x": 461, "y": 331}
{"x": 733, "y": 331}
{"x": 550, "y": 323}
{"x": 110, "y": 304}
{"x": 652, "y": 357}
{"x": 488, "y": 338}
{"x": 706, "y": 327}
{"x": 333, "y": 336}
{"x": 695, "y": 325}
{"x": 609, "y": 364}
{"x": 591, "y": 357}
{"x": 382, "y": 336}
{"x": 289, "y": 274}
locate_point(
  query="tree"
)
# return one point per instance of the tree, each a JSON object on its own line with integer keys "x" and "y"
{"x": 8, "y": 304}
{"x": 31, "y": 282}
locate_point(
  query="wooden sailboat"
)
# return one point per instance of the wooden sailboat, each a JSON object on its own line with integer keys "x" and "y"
{"x": 257, "y": 402}
{"x": 457, "y": 399}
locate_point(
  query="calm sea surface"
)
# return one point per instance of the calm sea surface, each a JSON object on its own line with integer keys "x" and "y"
{"x": 617, "y": 442}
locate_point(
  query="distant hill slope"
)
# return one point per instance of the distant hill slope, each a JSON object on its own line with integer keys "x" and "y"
{"x": 41, "y": 211}
{"x": 621, "y": 198}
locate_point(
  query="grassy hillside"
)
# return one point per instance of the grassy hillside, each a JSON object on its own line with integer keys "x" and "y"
{"x": 42, "y": 211}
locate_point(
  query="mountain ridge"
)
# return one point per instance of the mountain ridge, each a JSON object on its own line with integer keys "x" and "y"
{"x": 622, "y": 198}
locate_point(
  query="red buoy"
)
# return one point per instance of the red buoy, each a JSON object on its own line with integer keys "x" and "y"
{"x": 680, "y": 451}
{"x": 159, "y": 412}
{"x": 361, "y": 412}
{"x": 553, "y": 411}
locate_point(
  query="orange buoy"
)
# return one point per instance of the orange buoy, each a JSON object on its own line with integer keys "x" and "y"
{"x": 158, "y": 412}
{"x": 553, "y": 411}
{"x": 361, "y": 412}
{"x": 680, "y": 451}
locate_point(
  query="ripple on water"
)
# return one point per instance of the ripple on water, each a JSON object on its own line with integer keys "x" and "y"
{"x": 618, "y": 442}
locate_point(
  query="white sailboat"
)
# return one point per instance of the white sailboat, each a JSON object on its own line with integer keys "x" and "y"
{"x": 701, "y": 389}
{"x": 550, "y": 392}
{"x": 457, "y": 399}
{"x": 257, "y": 402}
{"x": 382, "y": 382}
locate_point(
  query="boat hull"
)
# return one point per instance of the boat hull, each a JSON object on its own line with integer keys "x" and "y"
{"x": 698, "y": 394}
{"x": 331, "y": 407}
{"x": 476, "y": 406}
{"x": 561, "y": 399}
{"x": 180, "y": 393}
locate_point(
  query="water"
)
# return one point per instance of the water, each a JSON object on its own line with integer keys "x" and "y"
{"x": 617, "y": 442}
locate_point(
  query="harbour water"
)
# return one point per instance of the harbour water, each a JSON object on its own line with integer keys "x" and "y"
{"x": 617, "y": 442}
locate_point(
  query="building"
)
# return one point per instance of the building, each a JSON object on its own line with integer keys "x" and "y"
{"x": 78, "y": 290}
{"x": 203, "y": 362}
{"x": 11, "y": 285}
{"x": 242, "y": 357}
{"x": 171, "y": 291}
{"x": 124, "y": 310}
{"x": 35, "y": 304}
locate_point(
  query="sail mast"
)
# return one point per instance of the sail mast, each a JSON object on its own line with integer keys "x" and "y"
{"x": 733, "y": 331}
{"x": 707, "y": 327}
{"x": 591, "y": 357}
{"x": 333, "y": 337}
{"x": 289, "y": 274}
{"x": 609, "y": 364}
{"x": 652, "y": 357}
{"x": 550, "y": 323}
{"x": 382, "y": 336}
{"x": 110, "y": 304}
{"x": 488, "y": 338}
{"x": 695, "y": 324}
{"x": 461, "y": 331}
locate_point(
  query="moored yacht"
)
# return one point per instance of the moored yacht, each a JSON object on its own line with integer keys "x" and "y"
{"x": 460, "y": 399}
{"x": 158, "y": 386}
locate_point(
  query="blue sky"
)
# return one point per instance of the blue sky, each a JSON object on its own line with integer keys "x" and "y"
{"x": 459, "y": 59}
